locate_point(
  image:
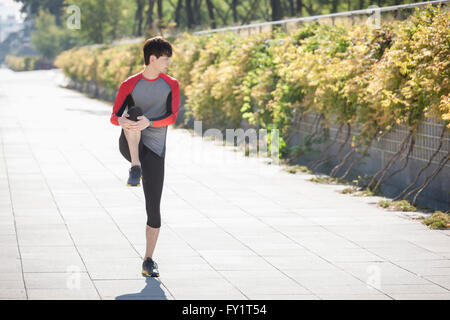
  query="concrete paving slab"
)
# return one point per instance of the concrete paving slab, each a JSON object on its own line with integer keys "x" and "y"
{"x": 62, "y": 294}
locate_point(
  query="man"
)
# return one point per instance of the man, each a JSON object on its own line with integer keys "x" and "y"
{"x": 152, "y": 98}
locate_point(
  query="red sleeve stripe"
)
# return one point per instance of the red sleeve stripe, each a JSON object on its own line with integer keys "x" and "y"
{"x": 125, "y": 88}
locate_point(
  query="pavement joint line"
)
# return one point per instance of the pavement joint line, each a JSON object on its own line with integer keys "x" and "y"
{"x": 113, "y": 172}
{"x": 419, "y": 246}
{"x": 126, "y": 279}
{"x": 14, "y": 216}
{"x": 419, "y": 275}
{"x": 53, "y": 272}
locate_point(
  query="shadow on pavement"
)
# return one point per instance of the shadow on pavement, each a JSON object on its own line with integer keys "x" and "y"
{"x": 151, "y": 291}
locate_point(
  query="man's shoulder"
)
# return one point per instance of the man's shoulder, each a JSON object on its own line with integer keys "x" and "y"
{"x": 131, "y": 79}
{"x": 169, "y": 78}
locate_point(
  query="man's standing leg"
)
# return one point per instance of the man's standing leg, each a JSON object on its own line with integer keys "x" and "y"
{"x": 151, "y": 235}
{"x": 153, "y": 180}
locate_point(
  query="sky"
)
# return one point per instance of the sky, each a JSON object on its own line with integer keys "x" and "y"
{"x": 10, "y": 7}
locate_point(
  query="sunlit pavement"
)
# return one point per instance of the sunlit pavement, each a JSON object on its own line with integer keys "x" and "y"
{"x": 233, "y": 227}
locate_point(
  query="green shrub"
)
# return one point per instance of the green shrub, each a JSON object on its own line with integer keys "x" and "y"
{"x": 438, "y": 220}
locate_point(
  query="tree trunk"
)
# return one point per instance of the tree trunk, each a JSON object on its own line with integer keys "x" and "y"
{"x": 298, "y": 8}
{"x": 212, "y": 20}
{"x": 149, "y": 23}
{"x": 190, "y": 17}
{"x": 177, "y": 13}
{"x": 160, "y": 14}
{"x": 197, "y": 12}
{"x": 334, "y": 6}
{"x": 139, "y": 17}
{"x": 57, "y": 9}
{"x": 234, "y": 9}
{"x": 291, "y": 8}
{"x": 276, "y": 10}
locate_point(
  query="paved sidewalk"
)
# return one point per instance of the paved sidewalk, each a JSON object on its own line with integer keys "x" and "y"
{"x": 233, "y": 227}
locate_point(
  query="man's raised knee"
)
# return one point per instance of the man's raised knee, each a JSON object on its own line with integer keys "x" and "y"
{"x": 129, "y": 131}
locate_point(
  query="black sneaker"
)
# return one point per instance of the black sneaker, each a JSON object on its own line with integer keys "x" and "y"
{"x": 135, "y": 175}
{"x": 150, "y": 268}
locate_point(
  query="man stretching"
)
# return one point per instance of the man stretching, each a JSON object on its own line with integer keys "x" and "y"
{"x": 152, "y": 99}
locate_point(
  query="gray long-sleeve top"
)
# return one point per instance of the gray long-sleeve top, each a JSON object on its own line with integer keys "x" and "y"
{"x": 154, "y": 98}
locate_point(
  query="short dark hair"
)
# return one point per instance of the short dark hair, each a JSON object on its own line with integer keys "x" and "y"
{"x": 157, "y": 46}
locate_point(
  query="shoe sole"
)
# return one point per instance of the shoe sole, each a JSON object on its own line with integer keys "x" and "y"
{"x": 145, "y": 273}
{"x": 134, "y": 185}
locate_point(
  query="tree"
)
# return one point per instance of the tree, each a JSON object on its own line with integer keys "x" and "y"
{"x": 139, "y": 17}
{"x": 103, "y": 20}
{"x": 50, "y": 39}
{"x": 32, "y": 7}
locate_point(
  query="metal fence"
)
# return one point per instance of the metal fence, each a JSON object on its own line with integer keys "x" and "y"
{"x": 352, "y": 15}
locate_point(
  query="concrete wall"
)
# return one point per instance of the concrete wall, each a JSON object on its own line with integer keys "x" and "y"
{"x": 435, "y": 196}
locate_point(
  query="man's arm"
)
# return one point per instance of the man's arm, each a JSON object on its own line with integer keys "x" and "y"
{"x": 172, "y": 104}
{"x": 122, "y": 100}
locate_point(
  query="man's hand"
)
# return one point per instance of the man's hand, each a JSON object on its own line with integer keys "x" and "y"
{"x": 140, "y": 125}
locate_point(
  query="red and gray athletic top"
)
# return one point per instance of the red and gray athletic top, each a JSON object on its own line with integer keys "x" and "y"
{"x": 159, "y": 100}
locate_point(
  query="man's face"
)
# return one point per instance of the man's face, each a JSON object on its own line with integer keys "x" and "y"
{"x": 162, "y": 63}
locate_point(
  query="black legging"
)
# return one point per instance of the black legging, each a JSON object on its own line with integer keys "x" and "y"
{"x": 152, "y": 172}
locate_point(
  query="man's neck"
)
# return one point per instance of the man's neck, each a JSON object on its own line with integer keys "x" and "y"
{"x": 150, "y": 73}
